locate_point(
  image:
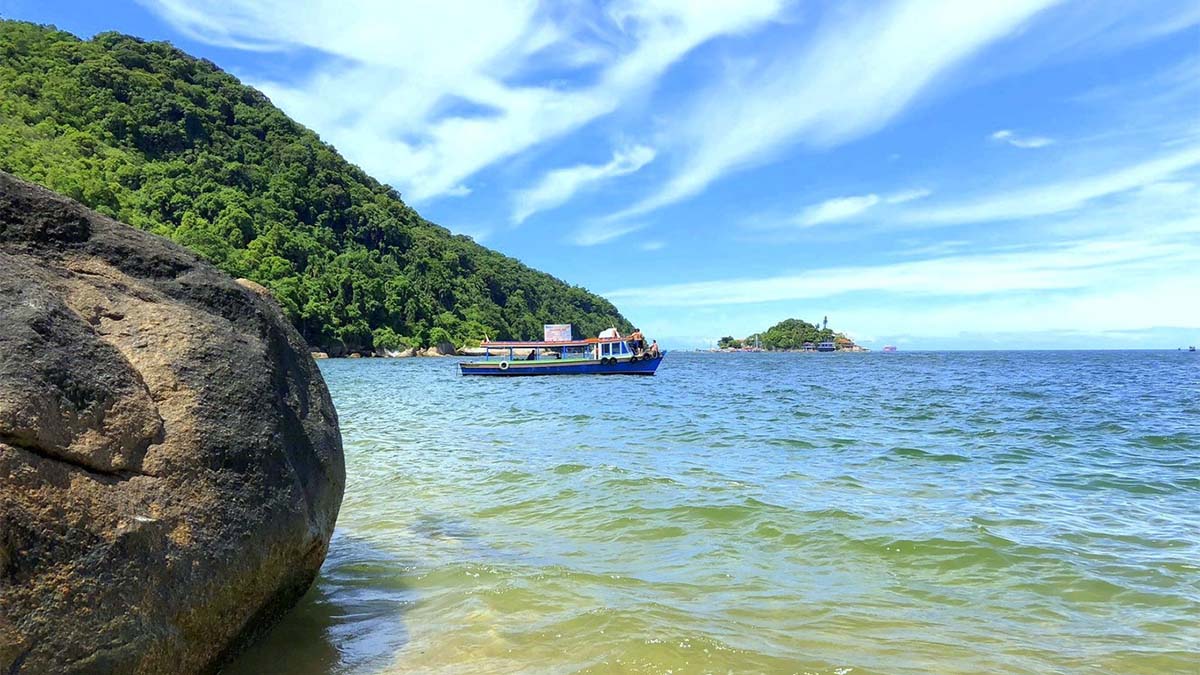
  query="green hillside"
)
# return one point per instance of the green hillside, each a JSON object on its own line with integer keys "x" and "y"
{"x": 171, "y": 144}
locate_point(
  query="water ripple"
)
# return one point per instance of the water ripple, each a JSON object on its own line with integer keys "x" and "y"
{"x": 865, "y": 514}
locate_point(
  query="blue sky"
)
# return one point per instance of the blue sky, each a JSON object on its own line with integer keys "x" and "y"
{"x": 927, "y": 174}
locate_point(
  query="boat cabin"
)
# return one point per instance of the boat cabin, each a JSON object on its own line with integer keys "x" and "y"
{"x": 592, "y": 349}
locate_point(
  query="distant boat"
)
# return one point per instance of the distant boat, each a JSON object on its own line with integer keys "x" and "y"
{"x": 826, "y": 346}
{"x": 889, "y": 349}
{"x": 593, "y": 356}
{"x": 1192, "y": 348}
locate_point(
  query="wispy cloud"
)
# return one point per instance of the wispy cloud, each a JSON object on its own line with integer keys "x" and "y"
{"x": 905, "y": 196}
{"x": 652, "y": 245}
{"x": 1027, "y": 142}
{"x": 559, "y": 185}
{"x": 839, "y": 208}
{"x": 857, "y": 72}
{"x": 1073, "y": 265}
{"x": 1058, "y": 196}
{"x": 381, "y": 95}
{"x": 602, "y": 233}
{"x": 835, "y": 209}
{"x": 1170, "y": 188}
{"x": 458, "y": 191}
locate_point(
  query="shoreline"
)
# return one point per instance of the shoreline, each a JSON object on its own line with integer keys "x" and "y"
{"x": 411, "y": 353}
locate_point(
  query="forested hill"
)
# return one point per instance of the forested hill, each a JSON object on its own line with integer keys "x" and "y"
{"x": 168, "y": 143}
{"x": 787, "y": 334}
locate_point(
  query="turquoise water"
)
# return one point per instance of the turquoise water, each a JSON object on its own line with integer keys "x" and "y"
{"x": 997, "y": 512}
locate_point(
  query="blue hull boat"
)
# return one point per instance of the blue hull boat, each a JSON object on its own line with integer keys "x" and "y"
{"x": 645, "y": 366}
{"x": 577, "y": 357}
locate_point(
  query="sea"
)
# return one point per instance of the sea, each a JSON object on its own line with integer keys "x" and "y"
{"x": 917, "y": 512}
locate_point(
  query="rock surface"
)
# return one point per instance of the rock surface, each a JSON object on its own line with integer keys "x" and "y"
{"x": 396, "y": 353}
{"x": 170, "y": 461}
{"x": 440, "y": 349}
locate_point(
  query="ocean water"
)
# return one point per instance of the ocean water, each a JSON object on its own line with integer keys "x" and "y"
{"x": 994, "y": 512}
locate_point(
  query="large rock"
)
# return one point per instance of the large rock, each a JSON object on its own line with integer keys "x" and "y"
{"x": 440, "y": 349}
{"x": 396, "y": 353}
{"x": 170, "y": 461}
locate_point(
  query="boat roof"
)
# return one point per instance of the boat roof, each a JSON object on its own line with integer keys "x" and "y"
{"x": 542, "y": 343}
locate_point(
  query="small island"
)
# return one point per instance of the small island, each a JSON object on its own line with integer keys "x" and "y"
{"x": 792, "y": 335}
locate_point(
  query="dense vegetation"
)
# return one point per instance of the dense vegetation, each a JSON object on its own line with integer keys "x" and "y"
{"x": 153, "y": 137}
{"x": 787, "y": 334}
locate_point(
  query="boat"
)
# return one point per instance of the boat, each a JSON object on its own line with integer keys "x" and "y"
{"x": 826, "y": 346}
{"x": 593, "y": 356}
{"x": 888, "y": 349}
{"x": 1192, "y": 348}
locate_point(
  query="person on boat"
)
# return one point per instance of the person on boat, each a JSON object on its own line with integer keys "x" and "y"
{"x": 637, "y": 341}
{"x": 653, "y": 349}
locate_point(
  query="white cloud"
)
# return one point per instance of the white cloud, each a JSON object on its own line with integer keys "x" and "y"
{"x": 1169, "y": 188}
{"x": 856, "y": 73}
{"x": 559, "y": 185}
{"x": 839, "y": 208}
{"x": 602, "y": 233}
{"x": 1059, "y": 196}
{"x": 907, "y": 196}
{"x": 652, "y": 245}
{"x": 834, "y": 210}
{"x": 425, "y": 97}
{"x": 1072, "y": 266}
{"x": 1027, "y": 142}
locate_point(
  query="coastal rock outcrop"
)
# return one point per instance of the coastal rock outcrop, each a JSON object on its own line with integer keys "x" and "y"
{"x": 170, "y": 461}
{"x": 440, "y": 349}
{"x": 396, "y": 353}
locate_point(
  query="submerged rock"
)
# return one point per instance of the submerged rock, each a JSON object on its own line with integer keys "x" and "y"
{"x": 170, "y": 461}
